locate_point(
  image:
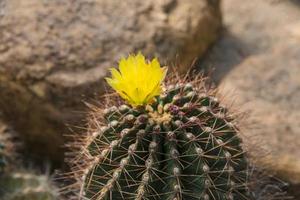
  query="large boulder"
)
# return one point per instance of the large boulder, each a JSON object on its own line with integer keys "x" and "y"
{"x": 258, "y": 58}
{"x": 54, "y": 54}
{"x": 268, "y": 85}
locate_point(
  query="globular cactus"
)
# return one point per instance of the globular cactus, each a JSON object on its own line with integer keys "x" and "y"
{"x": 16, "y": 184}
{"x": 180, "y": 144}
{"x": 27, "y": 185}
{"x": 3, "y": 149}
{"x": 2, "y": 157}
{"x": 7, "y": 147}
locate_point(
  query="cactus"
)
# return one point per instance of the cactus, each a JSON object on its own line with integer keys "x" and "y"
{"x": 16, "y": 184}
{"x": 7, "y": 147}
{"x": 26, "y": 185}
{"x": 3, "y": 150}
{"x": 2, "y": 157}
{"x": 181, "y": 145}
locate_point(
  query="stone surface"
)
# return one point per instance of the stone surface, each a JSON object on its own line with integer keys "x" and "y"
{"x": 251, "y": 34}
{"x": 257, "y": 64}
{"x": 54, "y": 54}
{"x": 268, "y": 85}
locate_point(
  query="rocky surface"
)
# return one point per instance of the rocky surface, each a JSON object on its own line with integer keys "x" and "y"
{"x": 252, "y": 33}
{"x": 268, "y": 85}
{"x": 257, "y": 62}
{"x": 54, "y": 54}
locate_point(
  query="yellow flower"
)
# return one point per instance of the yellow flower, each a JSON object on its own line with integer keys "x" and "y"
{"x": 138, "y": 80}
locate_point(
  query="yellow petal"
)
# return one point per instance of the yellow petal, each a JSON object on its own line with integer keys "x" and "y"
{"x": 138, "y": 80}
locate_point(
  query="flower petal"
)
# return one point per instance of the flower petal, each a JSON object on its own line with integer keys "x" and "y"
{"x": 138, "y": 80}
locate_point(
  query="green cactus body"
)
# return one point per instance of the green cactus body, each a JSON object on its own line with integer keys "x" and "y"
{"x": 7, "y": 147}
{"x": 182, "y": 146}
{"x": 26, "y": 186}
{"x": 2, "y": 157}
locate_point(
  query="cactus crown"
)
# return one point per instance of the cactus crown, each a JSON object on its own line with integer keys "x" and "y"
{"x": 183, "y": 145}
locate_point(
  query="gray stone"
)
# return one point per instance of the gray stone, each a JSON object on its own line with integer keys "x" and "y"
{"x": 54, "y": 54}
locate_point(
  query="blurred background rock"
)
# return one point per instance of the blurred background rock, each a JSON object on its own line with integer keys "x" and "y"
{"x": 257, "y": 60}
{"x": 54, "y": 55}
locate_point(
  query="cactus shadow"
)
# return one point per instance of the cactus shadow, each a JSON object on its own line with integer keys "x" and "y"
{"x": 296, "y": 2}
{"x": 223, "y": 56}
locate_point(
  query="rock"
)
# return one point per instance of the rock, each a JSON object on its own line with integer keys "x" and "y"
{"x": 268, "y": 85}
{"x": 250, "y": 34}
{"x": 248, "y": 59}
{"x": 54, "y": 54}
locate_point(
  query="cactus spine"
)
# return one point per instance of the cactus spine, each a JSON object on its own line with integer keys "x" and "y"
{"x": 182, "y": 146}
